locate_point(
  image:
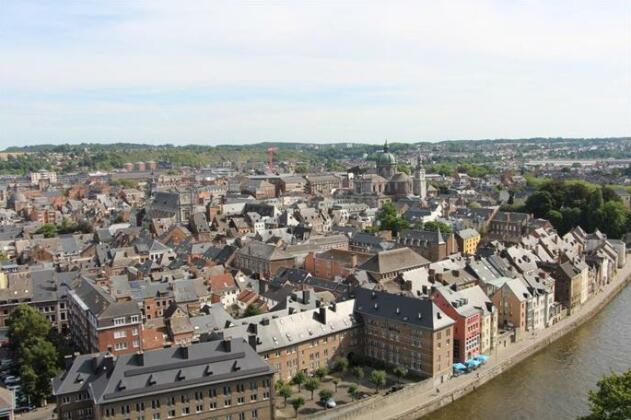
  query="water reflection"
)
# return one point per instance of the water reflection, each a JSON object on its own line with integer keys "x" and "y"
{"x": 553, "y": 384}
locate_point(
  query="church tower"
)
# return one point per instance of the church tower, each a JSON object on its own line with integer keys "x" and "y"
{"x": 420, "y": 184}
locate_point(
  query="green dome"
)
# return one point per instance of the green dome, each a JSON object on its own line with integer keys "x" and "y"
{"x": 386, "y": 158}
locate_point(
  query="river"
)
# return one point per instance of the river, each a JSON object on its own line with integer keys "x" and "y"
{"x": 553, "y": 383}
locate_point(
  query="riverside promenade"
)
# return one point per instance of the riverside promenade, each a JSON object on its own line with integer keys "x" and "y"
{"x": 420, "y": 399}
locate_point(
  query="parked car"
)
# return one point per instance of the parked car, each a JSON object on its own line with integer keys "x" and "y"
{"x": 330, "y": 403}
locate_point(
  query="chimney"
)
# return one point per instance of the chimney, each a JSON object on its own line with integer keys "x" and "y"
{"x": 68, "y": 360}
{"x": 265, "y": 321}
{"x": 184, "y": 354}
{"x": 253, "y": 328}
{"x": 140, "y": 358}
{"x": 108, "y": 362}
{"x": 306, "y": 296}
{"x": 227, "y": 345}
{"x": 322, "y": 315}
{"x": 252, "y": 341}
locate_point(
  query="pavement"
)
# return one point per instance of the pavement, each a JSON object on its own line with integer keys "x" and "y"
{"x": 41, "y": 413}
{"x": 402, "y": 408}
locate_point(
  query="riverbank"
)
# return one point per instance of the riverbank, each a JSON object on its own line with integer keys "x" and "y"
{"x": 420, "y": 399}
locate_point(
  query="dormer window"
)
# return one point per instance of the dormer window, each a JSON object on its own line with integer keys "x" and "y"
{"x": 119, "y": 321}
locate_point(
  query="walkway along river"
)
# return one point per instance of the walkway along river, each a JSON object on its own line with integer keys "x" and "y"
{"x": 553, "y": 383}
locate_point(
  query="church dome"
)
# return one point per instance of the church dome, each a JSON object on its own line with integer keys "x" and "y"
{"x": 401, "y": 177}
{"x": 386, "y": 158}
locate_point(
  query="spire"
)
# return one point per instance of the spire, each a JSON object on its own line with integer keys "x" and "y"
{"x": 419, "y": 160}
{"x": 385, "y": 146}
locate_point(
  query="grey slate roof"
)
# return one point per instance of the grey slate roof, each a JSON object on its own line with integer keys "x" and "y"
{"x": 421, "y": 313}
{"x": 159, "y": 371}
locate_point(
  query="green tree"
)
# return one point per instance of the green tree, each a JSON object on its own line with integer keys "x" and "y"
{"x": 320, "y": 373}
{"x": 352, "y": 391}
{"x": 301, "y": 169}
{"x": 405, "y": 168}
{"x": 38, "y": 365}
{"x": 278, "y": 385}
{"x": 49, "y": 230}
{"x": 37, "y": 357}
{"x": 325, "y": 394}
{"x": 336, "y": 382}
{"x": 340, "y": 364}
{"x": 612, "y": 399}
{"x": 614, "y": 219}
{"x": 435, "y": 226}
{"x": 358, "y": 372}
{"x": 251, "y": 310}
{"x": 297, "y": 403}
{"x": 299, "y": 378}
{"x": 285, "y": 391}
{"x": 388, "y": 219}
{"x": 539, "y": 203}
{"x": 312, "y": 384}
{"x": 25, "y": 324}
{"x": 378, "y": 379}
{"x": 400, "y": 372}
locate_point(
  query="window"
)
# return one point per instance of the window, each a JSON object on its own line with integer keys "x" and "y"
{"x": 241, "y": 416}
{"x": 136, "y": 343}
{"x": 226, "y": 390}
{"x": 156, "y": 416}
{"x": 213, "y": 405}
{"x": 199, "y": 408}
{"x": 253, "y": 397}
{"x": 240, "y": 388}
{"x": 119, "y": 321}
{"x": 186, "y": 411}
{"x": 212, "y": 393}
{"x": 135, "y": 318}
{"x": 120, "y": 345}
{"x": 134, "y": 331}
{"x": 241, "y": 400}
{"x": 255, "y": 414}
{"x": 227, "y": 402}
{"x": 184, "y": 398}
{"x": 140, "y": 407}
{"x": 120, "y": 334}
{"x": 171, "y": 414}
{"x": 125, "y": 409}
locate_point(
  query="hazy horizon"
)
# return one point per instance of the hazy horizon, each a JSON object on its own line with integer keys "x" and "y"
{"x": 216, "y": 73}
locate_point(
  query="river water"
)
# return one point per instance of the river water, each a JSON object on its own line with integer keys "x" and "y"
{"x": 553, "y": 383}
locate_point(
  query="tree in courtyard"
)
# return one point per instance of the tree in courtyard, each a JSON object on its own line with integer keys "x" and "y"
{"x": 26, "y": 323}
{"x": 612, "y": 399}
{"x": 325, "y": 394}
{"x": 299, "y": 379}
{"x": 358, "y": 372}
{"x": 278, "y": 385}
{"x": 336, "y": 382}
{"x": 400, "y": 372}
{"x": 320, "y": 373}
{"x": 378, "y": 379}
{"x": 312, "y": 384}
{"x": 340, "y": 364}
{"x": 352, "y": 391}
{"x": 436, "y": 226}
{"x": 297, "y": 403}
{"x": 285, "y": 391}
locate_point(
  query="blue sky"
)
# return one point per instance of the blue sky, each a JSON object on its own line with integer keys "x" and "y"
{"x": 226, "y": 72}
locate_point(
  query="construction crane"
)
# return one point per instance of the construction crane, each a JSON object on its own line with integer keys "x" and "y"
{"x": 270, "y": 157}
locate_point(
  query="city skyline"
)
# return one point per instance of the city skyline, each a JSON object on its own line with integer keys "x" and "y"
{"x": 224, "y": 73}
